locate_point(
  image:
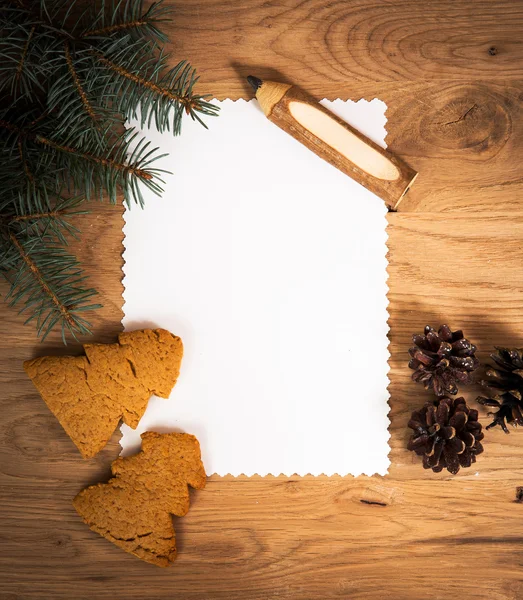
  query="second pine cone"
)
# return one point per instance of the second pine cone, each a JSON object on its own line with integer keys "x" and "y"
{"x": 442, "y": 359}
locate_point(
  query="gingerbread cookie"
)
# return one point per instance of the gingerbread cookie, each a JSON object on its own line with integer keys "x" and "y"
{"x": 133, "y": 510}
{"x": 90, "y": 394}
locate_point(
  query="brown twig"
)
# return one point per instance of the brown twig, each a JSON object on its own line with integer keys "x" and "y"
{"x": 39, "y": 118}
{"x": 24, "y": 55}
{"x": 107, "y": 162}
{"x": 10, "y": 126}
{"x": 36, "y": 272}
{"x": 78, "y": 85}
{"x": 45, "y": 215}
{"x": 113, "y": 28}
{"x": 186, "y": 101}
{"x": 24, "y": 162}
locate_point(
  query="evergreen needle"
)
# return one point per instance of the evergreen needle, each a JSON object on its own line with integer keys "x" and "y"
{"x": 68, "y": 82}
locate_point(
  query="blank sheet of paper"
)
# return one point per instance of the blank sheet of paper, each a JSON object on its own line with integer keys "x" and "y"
{"x": 271, "y": 266}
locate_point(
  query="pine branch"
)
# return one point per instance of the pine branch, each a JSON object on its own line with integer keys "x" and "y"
{"x": 48, "y": 282}
{"x": 24, "y": 162}
{"x": 41, "y": 281}
{"x": 10, "y": 126}
{"x": 77, "y": 84}
{"x": 74, "y": 103}
{"x": 20, "y": 69}
{"x": 120, "y": 169}
{"x": 24, "y": 54}
{"x": 53, "y": 220}
{"x": 145, "y": 88}
{"x": 53, "y": 214}
{"x": 131, "y": 19}
{"x": 68, "y": 81}
{"x": 150, "y": 85}
{"x": 41, "y": 116}
{"x": 104, "y": 162}
{"x": 26, "y": 179}
{"x": 114, "y": 28}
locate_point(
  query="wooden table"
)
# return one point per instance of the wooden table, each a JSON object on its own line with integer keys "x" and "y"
{"x": 451, "y": 73}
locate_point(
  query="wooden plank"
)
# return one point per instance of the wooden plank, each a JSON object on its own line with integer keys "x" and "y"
{"x": 358, "y": 41}
{"x": 458, "y": 259}
{"x": 99, "y": 249}
{"x": 309, "y": 537}
{"x": 463, "y": 138}
{"x": 465, "y": 271}
{"x": 275, "y": 539}
{"x": 451, "y": 73}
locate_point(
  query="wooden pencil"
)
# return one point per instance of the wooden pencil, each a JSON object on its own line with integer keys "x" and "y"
{"x": 334, "y": 140}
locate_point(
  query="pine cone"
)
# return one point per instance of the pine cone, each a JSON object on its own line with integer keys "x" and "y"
{"x": 441, "y": 359}
{"x": 506, "y": 383}
{"x": 447, "y": 434}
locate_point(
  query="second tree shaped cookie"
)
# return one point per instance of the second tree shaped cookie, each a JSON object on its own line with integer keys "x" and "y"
{"x": 90, "y": 394}
{"x": 133, "y": 510}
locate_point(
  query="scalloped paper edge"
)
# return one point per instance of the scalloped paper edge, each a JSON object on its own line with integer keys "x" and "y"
{"x": 269, "y": 475}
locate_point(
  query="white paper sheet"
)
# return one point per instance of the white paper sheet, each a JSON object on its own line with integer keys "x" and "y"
{"x": 271, "y": 266}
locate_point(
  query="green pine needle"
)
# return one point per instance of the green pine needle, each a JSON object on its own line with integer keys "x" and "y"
{"x": 69, "y": 79}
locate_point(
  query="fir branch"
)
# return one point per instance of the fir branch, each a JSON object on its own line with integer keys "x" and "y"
{"x": 50, "y": 218}
{"x": 27, "y": 171}
{"x": 185, "y": 99}
{"x": 77, "y": 84}
{"x": 64, "y": 310}
{"x": 50, "y": 285}
{"x": 105, "y": 162}
{"x": 113, "y": 28}
{"x": 110, "y": 163}
{"x": 53, "y": 219}
{"x": 24, "y": 54}
{"x": 68, "y": 81}
{"x": 144, "y": 88}
{"x": 129, "y": 17}
{"x": 41, "y": 116}
{"x": 10, "y": 126}
{"x": 53, "y": 214}
{"x": 22, "y": 50}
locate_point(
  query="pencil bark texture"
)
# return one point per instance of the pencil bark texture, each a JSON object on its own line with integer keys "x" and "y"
{"x": 337, "y": 142}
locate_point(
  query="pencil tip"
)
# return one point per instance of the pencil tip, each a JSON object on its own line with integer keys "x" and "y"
{"x": 254, "y": 82}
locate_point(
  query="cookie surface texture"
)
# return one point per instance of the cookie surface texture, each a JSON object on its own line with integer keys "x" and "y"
{"x": 133, "y": 510}
{"x": 90, "y": 394}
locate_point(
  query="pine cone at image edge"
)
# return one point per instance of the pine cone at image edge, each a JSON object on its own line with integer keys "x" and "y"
{"x": 504, "y": 384}
{"x": 442, "y": 359}
{"x": 447, "y": 434}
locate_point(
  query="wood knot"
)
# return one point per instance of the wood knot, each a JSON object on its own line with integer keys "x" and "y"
{"x": 291, "y": 486}
{"x": 493, "y": 51}
{"x": 377, "y": 495}
{"x": 519, "y": 495}
{"x": 60, "y": 544}
{"x": 472, "y": 120}
{"x": 373, "y": 502}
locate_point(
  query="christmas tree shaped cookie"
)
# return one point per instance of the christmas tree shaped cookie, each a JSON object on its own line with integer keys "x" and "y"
{"x": 133, "y": 510}
{"x": 90, "y": 394}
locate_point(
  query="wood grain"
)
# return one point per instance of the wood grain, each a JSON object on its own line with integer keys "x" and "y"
{"x": 451, "y": 73}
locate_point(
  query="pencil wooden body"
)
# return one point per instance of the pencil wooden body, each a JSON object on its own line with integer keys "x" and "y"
{"x": 336, "y": 141}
